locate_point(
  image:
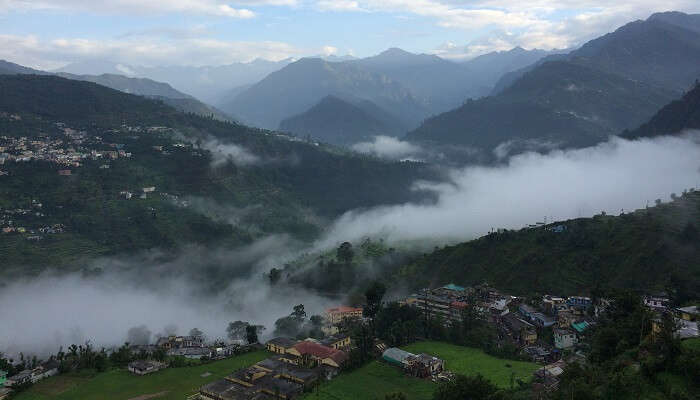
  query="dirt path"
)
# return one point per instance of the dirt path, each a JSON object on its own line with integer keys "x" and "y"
{"x": 149, "y": 396}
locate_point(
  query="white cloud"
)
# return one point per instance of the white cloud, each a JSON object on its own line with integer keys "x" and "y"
{"x": 36, "y": 52}
{"x": 562, "y": 184}
{"x": 388, "y": 147}
{"x": 205, "y": 7}
{"x": 223, "y": 153}
{"x": 329, "y": 50}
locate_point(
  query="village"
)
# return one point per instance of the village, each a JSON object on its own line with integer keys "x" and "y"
{"x": 547, "y": 330}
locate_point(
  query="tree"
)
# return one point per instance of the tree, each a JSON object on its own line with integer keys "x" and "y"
{"x": 274, "y": 276}
{"x": 299, "y": 314}
{"x": 251, "y": 334}
{"x": 237, "y": 330}
{"x": 345, "y": 253}
{"x": 374, "y": 295}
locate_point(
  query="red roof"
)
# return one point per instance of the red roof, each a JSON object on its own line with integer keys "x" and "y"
{"x": 315, "y": 349}
{"x": 458, "y": 304}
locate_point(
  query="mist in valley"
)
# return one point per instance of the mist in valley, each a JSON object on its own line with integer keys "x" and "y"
{"x": 137, "y": 297}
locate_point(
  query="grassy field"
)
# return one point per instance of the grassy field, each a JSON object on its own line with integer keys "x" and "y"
{"x": 376, "y": 379}
{"x": 470, "y": 361}
{"x": 373, "y": 381}
{"x": 119, "y": 384}
{"x": 691, "y": 344}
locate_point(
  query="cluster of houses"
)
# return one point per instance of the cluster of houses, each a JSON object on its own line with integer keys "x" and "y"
{"x": 515, "y": 319}
{"x": 295, "y": 367}
{"x": 24, "y": 221}
{"x": 28, "y": 376}
{"x": 685, "y": 318}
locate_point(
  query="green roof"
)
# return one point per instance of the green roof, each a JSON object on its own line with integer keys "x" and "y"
{"x": 580, "y": 326}
{"x": 452, "y": 286}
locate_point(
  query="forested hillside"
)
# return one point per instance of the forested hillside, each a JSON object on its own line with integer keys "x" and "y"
{"x": 658, "y": 247}
{"x": 281, "y": 185}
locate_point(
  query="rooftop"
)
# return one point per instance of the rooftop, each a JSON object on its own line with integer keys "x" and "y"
{"x": 282, "y": 342}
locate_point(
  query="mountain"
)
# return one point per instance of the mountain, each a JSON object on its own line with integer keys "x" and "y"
{"x": 438, "y": 83}
{"x": 302, "y": 84}
{"x": 291, "y": 185}
{"x": 610, "y": 84}
{"x": 488, "y": 68}
{"x": 208, "y": 83}
{"x": 662, "y": 50}
{"x": 138, "y": 86}
{"x": 675, "y": 117}
{"x": 341, "y": 122}
{"x": 156, "y": 90}
{"x": 556, "y": 104}
{"x": 10, "y": 68}
{"x": 443, "y": 84}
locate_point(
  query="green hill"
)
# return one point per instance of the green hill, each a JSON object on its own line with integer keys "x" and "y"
{"x": 651, "y": 248}
{"x": 293, "y": 188}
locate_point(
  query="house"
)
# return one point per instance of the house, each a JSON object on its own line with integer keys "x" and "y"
{"x": 397, "y": 357}
{"x": 143, "y": 367}
{"x": 542, "y": 320}
{"x": 45, "y": 370}
{"x": 192, "y": 353}
{"x": 689, "y": 313}
{"x": 580, "y": 326}
{"x": 578, "y": 302}
{"x": 520, "y": 330}
{"x": 337, "y": 341}
{"x": 336, "y": 314}
{"x": 564, "y": 339}
{"x": 424, "y": 365}
{"x": 149, "y": 189}
{"x": 656, "y": 302}
{"x": 176, "y": 342}
{"x": 280, "y": 345}
{"x": 22, "y": 378}
{"x": 64, "y": 172}
{"x": 316, "y": 354}
{"x": 526, "y": 310}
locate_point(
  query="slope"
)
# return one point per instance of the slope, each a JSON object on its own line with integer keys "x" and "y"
{"x": 556, "y": 104}
{"x": 675, "y": 117}
{"x": 651, "y": 248}
{"x": 340, "y": 122}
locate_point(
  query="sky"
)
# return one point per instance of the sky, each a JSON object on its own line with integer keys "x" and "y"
{"x": 49, "y": 34}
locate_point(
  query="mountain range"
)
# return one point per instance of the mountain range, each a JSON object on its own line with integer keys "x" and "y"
{"x": 610, "y": 84}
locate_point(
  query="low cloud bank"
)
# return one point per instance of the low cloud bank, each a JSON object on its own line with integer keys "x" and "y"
{"x": 615, "y": 175}
{"x": 222, "y": 153}
{"x": 389, "y": 147}
{"x": 142, "y": 297}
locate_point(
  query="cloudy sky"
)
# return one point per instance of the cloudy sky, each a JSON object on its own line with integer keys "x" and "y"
{"x": 51, "y": 33}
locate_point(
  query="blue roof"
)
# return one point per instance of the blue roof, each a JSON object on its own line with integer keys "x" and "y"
{"x": 452, "y": 286}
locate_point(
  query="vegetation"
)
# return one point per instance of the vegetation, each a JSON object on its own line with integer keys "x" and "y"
{"x": 655, "y": 248}
{"x": 373, "y": 381}
{"x": 119, "y": 384}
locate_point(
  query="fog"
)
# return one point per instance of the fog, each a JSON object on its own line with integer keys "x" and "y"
{"x": 615, "y": 175}
{"x": 389, "y": 147}
{"x": 138, "y": 297}
{"x": 223, "y": 153}
{"x": 144, "y": 296}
